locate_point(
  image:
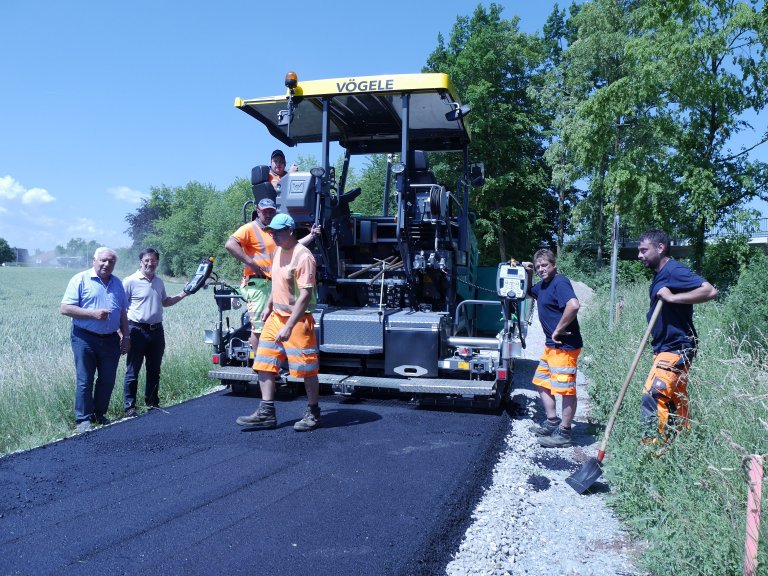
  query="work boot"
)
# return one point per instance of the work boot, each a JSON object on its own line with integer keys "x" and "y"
{"x": 310, "y": 421}
{"x": 264, "y": 418}
{"x": 560, "y": 438}
{"x": 546, "y": 428}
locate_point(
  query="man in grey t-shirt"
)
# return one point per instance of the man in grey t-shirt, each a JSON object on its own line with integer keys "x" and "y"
{"x": 146, "y": 300}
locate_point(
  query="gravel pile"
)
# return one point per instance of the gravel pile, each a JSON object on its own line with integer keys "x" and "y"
{"x": 529, "y": 521}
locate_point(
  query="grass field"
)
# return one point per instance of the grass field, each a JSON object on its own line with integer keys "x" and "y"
{"x": 37, "y": 374}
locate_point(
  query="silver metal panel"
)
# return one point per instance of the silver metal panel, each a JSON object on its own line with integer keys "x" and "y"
{"x": 351, "y": 349}
{"x": 426, "y": 385}
{"x": 241, "y": 373}
{"x": 414, "y": 320}
{"x": 358, "y": 330}
{"x": 331, "y": 378}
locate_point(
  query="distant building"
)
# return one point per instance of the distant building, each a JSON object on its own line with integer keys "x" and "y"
{"x": 22, "y": 256}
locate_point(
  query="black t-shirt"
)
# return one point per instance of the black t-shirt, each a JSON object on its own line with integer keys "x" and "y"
{"x": 673, "y": 331}
{"x": 552, "y": 297}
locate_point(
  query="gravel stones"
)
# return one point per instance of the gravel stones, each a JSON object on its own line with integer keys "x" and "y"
{"x": 529, "y": 521}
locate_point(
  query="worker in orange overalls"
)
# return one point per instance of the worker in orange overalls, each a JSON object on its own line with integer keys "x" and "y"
{"x": 252, "y": 244}
{"x": 289, "y": 330}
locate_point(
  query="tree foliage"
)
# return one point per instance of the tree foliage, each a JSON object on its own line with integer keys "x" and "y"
{"x": 189, "y": 223}
{"x": 77, "y": 247}
{"x": 492, "y": 64}
{"x": 372, "y": 182}
{"x": 645, "y": 98}
{"x": 7, "y": 254}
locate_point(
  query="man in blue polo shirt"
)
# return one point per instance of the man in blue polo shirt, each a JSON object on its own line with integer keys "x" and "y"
{"x": 96, "y": 302}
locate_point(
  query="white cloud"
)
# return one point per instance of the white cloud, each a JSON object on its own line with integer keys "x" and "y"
{"x": 2, "y": 210}
{"x": 9, "y": 188}
{"x": 37, "y": 196}
{"x": 127, "y": 194}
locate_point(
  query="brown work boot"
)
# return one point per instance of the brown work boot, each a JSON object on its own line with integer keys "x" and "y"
{"x": 310, "y": 421}
{"x": 546, "y": 428}
{"x": 263, "y": 419}
{"x": 560, "y": 438}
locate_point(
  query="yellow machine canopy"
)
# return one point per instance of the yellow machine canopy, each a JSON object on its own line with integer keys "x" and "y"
{"x": 366, "y": 113}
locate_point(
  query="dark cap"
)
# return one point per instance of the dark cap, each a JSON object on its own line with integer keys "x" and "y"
{"x": 278, "y": 153}
{"x": 267, "y": 204}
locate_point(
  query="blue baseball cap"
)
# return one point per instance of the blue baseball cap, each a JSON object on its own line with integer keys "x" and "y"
{"x": 281, "y": 222}
{"x": 267, "y": 204}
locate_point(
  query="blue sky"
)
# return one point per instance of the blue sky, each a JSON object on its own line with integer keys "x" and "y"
{"x": 100, "y": 101}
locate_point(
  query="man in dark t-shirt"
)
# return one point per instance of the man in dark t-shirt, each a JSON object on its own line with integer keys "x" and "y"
{"x": 664, "y": 404}
{"x": 556, "y": 372}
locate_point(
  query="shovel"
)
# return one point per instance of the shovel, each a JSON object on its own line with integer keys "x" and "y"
{"x": 591, "y": 470}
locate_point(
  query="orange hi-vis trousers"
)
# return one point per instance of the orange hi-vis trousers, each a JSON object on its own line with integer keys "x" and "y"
{"x": 664, "y": 403}
{"x": 557, "y": 371}
{"x": 300, "y": 349}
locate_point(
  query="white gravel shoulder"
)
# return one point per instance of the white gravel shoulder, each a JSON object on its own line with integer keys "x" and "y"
{"x": 529, "y": 521}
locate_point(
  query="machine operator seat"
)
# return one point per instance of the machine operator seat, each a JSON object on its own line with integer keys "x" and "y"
{"x": 260, "y": 185}
{"x": 419, "y": 172}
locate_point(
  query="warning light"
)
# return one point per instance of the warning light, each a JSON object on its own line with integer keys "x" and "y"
{"x": 215, "y": 358}
{"x": 501, "y": 374}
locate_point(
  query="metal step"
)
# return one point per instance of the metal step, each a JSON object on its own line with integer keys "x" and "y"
{"x": 416, "y": 385}
{"x": 241, "y": 373}
{"x": 346, "y": 384}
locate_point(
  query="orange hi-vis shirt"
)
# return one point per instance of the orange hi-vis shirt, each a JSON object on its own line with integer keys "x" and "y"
{"x": 274, "y": 179}
{"x": 292, "y": 270}
{"x": 259, "y": 245}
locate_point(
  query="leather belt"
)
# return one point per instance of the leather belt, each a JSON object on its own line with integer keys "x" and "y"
{"x": 96, "y": 333}
{"x": 146, "y": 326}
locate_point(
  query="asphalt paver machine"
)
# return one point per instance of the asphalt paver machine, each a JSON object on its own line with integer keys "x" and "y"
{"x": 397, "y": 293}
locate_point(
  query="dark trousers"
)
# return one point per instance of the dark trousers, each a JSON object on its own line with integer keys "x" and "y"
{"x": 94, "y": 355}
{"x": 150, "y": 345}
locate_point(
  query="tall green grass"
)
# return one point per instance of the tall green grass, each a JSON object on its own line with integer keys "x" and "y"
{"x": 687, "y": 499}
{"x": 37, "y": 374}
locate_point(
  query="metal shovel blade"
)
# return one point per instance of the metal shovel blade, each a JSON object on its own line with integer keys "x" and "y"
{"x": 584, "y": 477}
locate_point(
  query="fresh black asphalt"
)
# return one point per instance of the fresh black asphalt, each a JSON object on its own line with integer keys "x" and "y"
{"x": 384, "y": 487}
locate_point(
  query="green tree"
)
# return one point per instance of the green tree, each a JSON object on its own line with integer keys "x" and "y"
{"x": 558, "y": 34}
{"x": 715, "y": 51}
{"x": 7, "y": 254}
{"x": 492, "y": 64}
{"x": 178, "y": 234}
{"x": 609, "y": 118}
{"x": 372, "y": 181}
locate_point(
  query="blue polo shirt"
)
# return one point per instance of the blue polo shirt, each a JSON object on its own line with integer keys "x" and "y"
{"x": 674, "y": 329}
{"x": 551, "y": 298}
{"x": 87, "y": 290}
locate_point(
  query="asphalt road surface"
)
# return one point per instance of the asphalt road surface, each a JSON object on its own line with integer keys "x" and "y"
{"x": 383, "y": 488}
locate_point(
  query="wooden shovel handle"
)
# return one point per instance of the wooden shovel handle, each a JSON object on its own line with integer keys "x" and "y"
{"x": 623, "y": 391}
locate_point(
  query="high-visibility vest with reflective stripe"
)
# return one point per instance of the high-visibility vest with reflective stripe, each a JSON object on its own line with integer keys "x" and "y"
{"x": 266, "y": 253}
{"x": 279, "y": 304}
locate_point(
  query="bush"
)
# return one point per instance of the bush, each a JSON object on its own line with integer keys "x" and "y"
{"x": 724, "y": 260}
{"x": 746, "y": 306}
{"x": 581, "y": 267}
